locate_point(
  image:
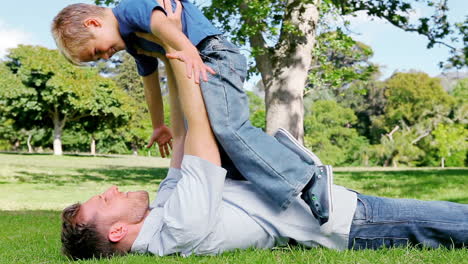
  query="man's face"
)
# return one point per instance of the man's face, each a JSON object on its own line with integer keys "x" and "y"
{"x": 113, "y": 206}
{"x": 105, "y": 43}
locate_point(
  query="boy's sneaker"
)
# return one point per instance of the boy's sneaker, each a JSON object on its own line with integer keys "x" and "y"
{"x": 317, "y": 194}
{"x": 284, "y": 137}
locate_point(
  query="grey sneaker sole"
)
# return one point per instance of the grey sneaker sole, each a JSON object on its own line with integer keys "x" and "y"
{"x": 313, "y": 193}
{"x": 330, "y": 184}
{"x": 285, "y": 138}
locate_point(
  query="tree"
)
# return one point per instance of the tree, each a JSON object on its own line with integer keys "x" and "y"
{"x": 451, "y": 144}
{"x": 139, "y": 128}
{"x": 460, "y": 93}
{"x": 282, "y": 34}
{"x": 329, "y": 132}
{"x": 338, "y": 62}
{"x": 367, "y": 99}
{"x": 54, "y": 92}
{"x": 8, "y": 129}
{"x": 398, "y": 147}
{"x": 413, "y": 97}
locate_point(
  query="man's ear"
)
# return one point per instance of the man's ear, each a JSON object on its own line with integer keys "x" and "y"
{"x": 117, "y": 232}
{"x": 92, "y": 22}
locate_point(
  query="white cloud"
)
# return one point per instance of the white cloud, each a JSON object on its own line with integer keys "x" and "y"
{"x": 11, "y": 37}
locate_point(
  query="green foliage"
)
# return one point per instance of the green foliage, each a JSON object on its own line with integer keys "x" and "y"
{"x": 338, "y": 61}
{"x": 451, "y": 143}
{"x": 47, "y": 91}
{"x": 460, "y": 93}
{"x": 139, "y": 128}
{"x": 412, "y": 97}
{"x": 368, "y": 101}
{"x": 460, "y": 90}
{"x": 329, "y": 133}
{"x": 257, "y": 110}
{"x": 398, "y": 149}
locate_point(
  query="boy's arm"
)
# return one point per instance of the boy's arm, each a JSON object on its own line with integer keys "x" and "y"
{"x": 166, "y": 30}
{"x": 161, "y": 133}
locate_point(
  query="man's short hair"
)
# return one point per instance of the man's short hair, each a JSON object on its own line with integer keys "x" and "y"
{"x": 70, "y": 33}
{"x": 83, "y": 240}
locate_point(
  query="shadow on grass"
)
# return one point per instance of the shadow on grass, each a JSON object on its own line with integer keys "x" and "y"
{"x": 118, "y": 175}
{"x": 411, "y": 182}
{"x": 64, "y": 155}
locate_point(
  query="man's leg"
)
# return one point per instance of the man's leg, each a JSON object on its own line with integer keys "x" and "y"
{"x": 274, "y": 169}
{"x": 385, "y": 222}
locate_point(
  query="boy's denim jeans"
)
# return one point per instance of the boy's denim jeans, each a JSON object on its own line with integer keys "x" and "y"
{"x": 275, "y": 170}
{"x": 385, "y": 222}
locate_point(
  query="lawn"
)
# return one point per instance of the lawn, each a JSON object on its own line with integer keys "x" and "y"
{"x": 34, "y": 188}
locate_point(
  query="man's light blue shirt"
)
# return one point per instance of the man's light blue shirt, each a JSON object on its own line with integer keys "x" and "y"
{"x": 198, "y": 211}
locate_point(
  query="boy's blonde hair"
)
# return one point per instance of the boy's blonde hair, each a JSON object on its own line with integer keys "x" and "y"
{"x": 69, "y": 31}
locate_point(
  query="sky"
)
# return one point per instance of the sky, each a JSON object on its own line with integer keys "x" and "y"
{"x": 28, "y": 22}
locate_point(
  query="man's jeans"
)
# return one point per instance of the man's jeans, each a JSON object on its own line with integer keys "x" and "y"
{"x": 385, "y": 222}
{"x": 275, "y": 170}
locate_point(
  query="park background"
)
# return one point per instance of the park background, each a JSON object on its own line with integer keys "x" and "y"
{"x": 377, "y": 104}
{"x": 398, "y": 104}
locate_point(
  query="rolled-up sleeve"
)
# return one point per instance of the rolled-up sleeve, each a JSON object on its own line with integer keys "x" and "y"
{"x": 193, "y": 207}
{"x": 167, "y": 186}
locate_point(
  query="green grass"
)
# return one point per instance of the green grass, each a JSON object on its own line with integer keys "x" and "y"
{"x": 33, "y": 188}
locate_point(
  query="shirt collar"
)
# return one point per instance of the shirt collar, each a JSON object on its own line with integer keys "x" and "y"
{"x": 151, "y": 226}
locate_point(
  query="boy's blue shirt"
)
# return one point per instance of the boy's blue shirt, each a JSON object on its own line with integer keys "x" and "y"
{"x": 135, "y": 16}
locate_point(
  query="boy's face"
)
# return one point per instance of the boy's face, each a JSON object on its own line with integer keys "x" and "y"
{"x": 106, "y": 41}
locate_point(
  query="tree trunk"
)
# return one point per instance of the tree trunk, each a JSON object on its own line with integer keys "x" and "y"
{"x": 58, "y": 128}
{"x": 284, "y": 68}
{"x": 134, "y": 149}
{"x": 16, "y": 145}
{"x": 93, "y": 146}
{"x": 30, "y": 150}
{"x": 57, "y": 139}
{"x": 442, "y": 162}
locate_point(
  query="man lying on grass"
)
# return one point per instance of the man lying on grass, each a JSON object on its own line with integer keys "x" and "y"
{"x": 199, "y": 211}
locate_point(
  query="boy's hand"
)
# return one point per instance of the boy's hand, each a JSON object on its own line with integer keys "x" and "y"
{"x": 162, "y": 135}
{"x": 192, "y": 59}
{"x": 193, "y": 62}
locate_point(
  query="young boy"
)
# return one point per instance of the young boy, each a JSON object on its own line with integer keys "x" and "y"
{"x": 87, "y": 33}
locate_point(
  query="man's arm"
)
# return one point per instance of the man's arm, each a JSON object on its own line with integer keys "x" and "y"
{"x": 192, "y": 210}
{"x": 167, "y": 186}
{"x": 200, "y": 140}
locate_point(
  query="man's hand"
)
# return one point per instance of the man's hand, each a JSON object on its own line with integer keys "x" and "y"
{"x": 162, "y": 135}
